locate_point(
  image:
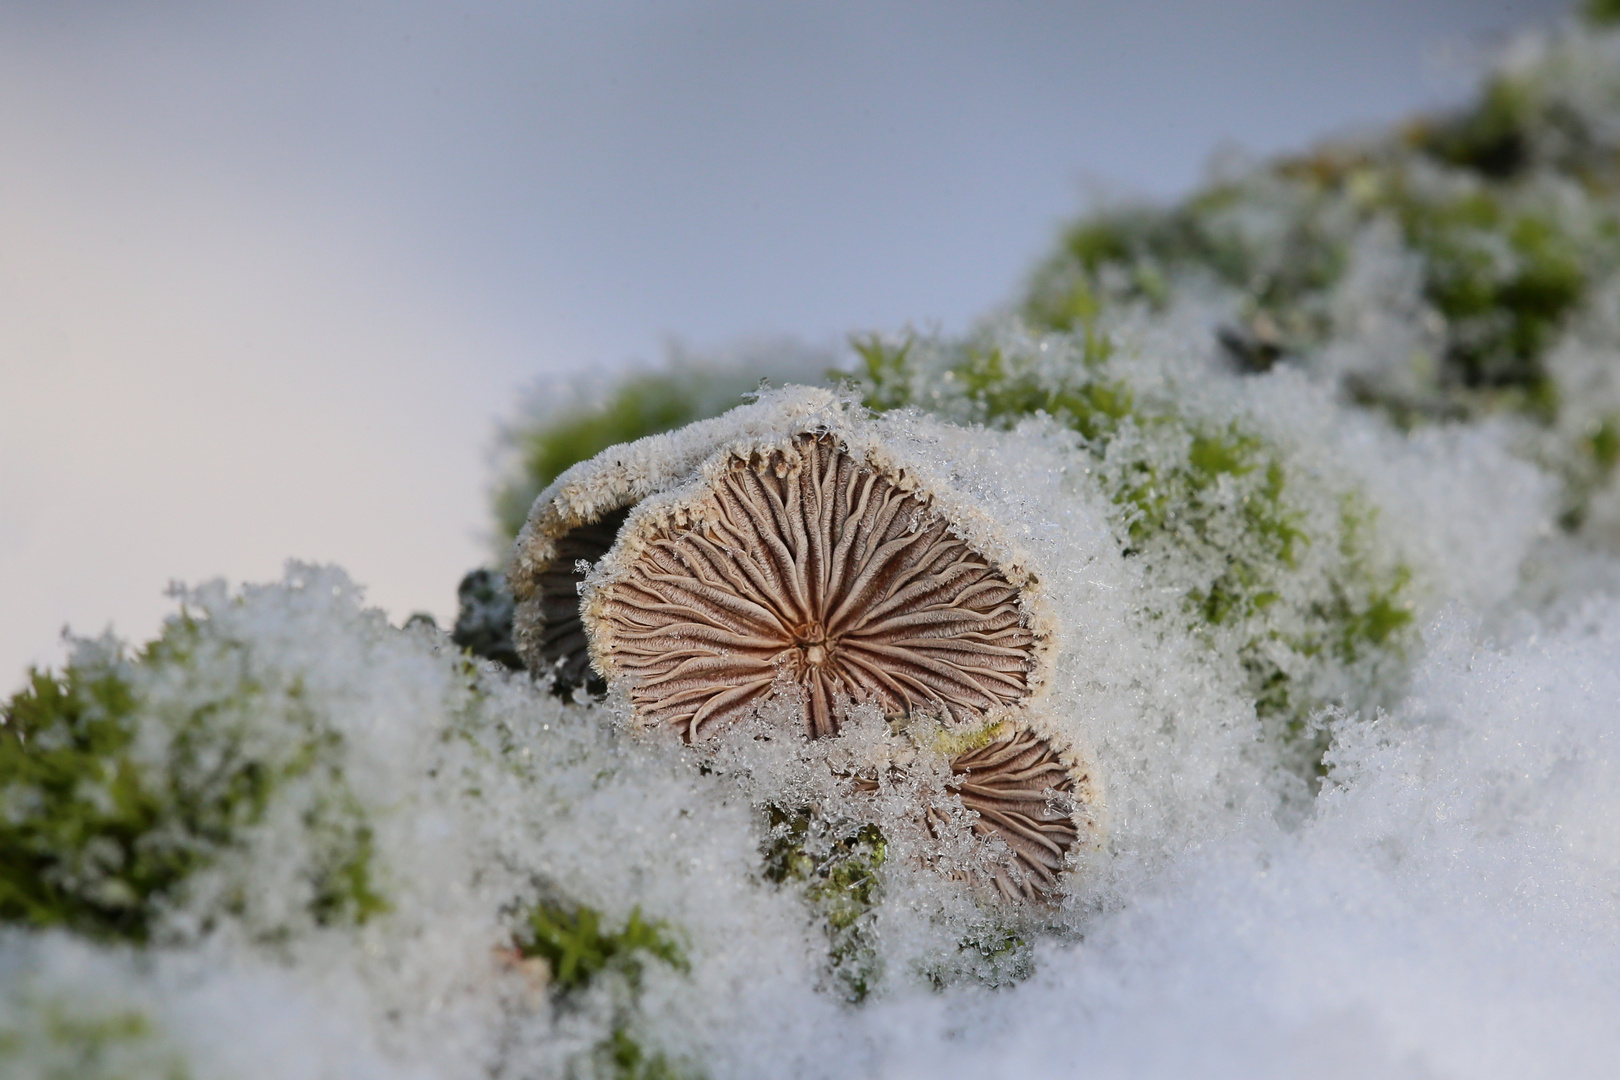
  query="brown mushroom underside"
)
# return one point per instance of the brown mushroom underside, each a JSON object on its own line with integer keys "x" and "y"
{"x": 808, "y": 568}
{"x": 1024, "y": 794}
{"x": 563, "y": 648}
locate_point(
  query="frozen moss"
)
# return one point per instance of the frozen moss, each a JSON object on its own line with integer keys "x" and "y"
{"x": 1212, "y": 508}
{"x": 61, "y": 1040}
{"x": 576, "y": 947}
{"x": 1431, "y": 273}
{"x": 122, "y": 777}
{"x": 991, "y": 955}
{"x": 836, "y": 869}
{"x": 622, "y": 1057}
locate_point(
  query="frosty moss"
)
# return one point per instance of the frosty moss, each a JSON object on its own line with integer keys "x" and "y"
{"x": 577, "y": 947}
{"x": 60, "y": 1039}
{"x": 1430, "y": 274}
{"x": 1263, "y": 558}
{"x": 124, "y": 776}
{"x": 836, "y": 868}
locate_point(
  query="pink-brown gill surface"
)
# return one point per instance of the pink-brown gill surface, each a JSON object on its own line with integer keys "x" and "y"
{"x": 808, "y": 569}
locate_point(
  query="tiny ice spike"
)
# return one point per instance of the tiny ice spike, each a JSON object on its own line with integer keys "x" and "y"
{"x": 805, "y": 566}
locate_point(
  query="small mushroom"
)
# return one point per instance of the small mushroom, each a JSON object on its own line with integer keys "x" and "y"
{"x": 1022, "y": 792}
{"x": 561, "y": 641}
{"x": 801, "y": 566}
{"x": 1030, "y": 805}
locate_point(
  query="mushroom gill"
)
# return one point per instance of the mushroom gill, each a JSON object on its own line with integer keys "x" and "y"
{"x": 806, "y": 567}
{"x": 560, "y": 645}
{"x": 1024, "y": 794}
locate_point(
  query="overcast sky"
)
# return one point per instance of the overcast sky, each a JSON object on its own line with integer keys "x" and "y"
{"x": 270, "y": 275}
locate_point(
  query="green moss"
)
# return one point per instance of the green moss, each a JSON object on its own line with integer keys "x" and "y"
{"x": 1144, "y": 255}
{"x": 575, "y": 946}
{"x": 578, "y": 950}
{"x": 345, "y": 885}
{"x": 992, "y": 954}
{"x": 59, "y": 1040}
{"x": 1504, "y": 279}
{"x": 1603, "y": 445}
{"x": 1590, "y": 468}
{"x": 885, "y": 372}
{"x": 1247, "y": 521}
{"x": 77, "y": 812}
{"x": 1489, "y": 138}
{"x": 98, "y": 840}
{"x": 1506, "y": 257}
{"x": 836, "y": 868}
{"x": 621, "y": 1057}
{"x": 1208, "y": 507}
{"x": 1601, "y": 12}
{"x": 987, "y": 385}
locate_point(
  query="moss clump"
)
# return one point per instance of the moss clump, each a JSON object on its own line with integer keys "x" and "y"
{"x": 1275, "y": 246}
{"x": 578, "y": 951}
{"x": 991, "y": 954}
{"x": 1504, "y": 278}
{"x": 122, "y": 778}
{"x": 1492, "y": 137}
{"x": 1590, "y": 467}
{"x": 836, "y": 868}
{"x": 621, "y": 1057}
{"x": 641, "y": 405}
{"x": 77, "y": 811}
{"x": 1500, "y": 268}
{"x": 576, "y": 948}
{"x": 1455, "y": 252}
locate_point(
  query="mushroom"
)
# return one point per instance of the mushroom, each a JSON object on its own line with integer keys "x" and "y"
{"x": 1022, "y": 792}
{"x": 1029, "y": 805}
{"x": 557, "y": 641}
{"x": 800, "y": 566}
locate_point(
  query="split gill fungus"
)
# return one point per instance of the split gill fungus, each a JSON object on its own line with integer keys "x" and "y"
{"x": 779, "y": 556}
{"x": 562, "y": 645}
{"x": 1022, "y": 792}
{"x": 804, "y": 570}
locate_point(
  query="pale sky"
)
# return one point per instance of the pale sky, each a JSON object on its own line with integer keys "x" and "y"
{"x": 270, "y": 278}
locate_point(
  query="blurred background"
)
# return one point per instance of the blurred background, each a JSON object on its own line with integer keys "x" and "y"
{"x": 272, "y": 278}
